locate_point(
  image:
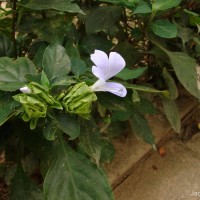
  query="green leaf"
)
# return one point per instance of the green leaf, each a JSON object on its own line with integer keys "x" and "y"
{"x": 164, "y": 5}
{"x": 185, "y": 34}
{"x": 185, "y": 69}
{"x": 140, "y": 126}
{"x": 107, "y": 151}
{"x": 7, "y": 107}
{"x": 13, "y": 72}
{"x": 76, "y": 177}
{"x": 164, "y": 28}
{"x": 115, "y": 129}
{"x": 6, "y": 46}
{"x": 60, "y": 5}
{"x": 23, "y": 188}
{"x": 127, "y": 74}
{"x": 142, "y": 7}
{"x": 145, "y": 106}
{"x": 90, "y": 141}
{"x": 112, "y": 102}
{"x": 135, "y": 96}
{"x": 104, "y": 18}
{"x": 79, "y": 66}
{"x": 92, "y": 42}
{"x": 45, "y": 81}
{"x": 11, "y": 86}
{"x": 68, "y": 125}
{"x": 129, "y": 4}
{"x": 64, "y": 80}
{"x": 172, "y": 114}
{"x": 51, "y": 28}
{"x": 128, "y": 52}
{"x": 56, "y": 62}
{"x": 171, "y": 84}
{"x": 39, "y": 55}
{"x": 49, "y": 131}
{"x": 120, "y": 116}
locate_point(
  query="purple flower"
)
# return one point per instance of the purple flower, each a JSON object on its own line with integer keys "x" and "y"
{"x": 104, "y": 69}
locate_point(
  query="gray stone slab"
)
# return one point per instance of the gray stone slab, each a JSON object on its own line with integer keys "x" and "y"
{"x": 172, "y": 177}
{"x": 131, "y": 150}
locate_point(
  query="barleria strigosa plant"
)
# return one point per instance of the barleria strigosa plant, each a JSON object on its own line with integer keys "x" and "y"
{"x": 75, "y": 74}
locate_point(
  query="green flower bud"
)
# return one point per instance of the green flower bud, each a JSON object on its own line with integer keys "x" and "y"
{"x": 43, "y": 94}
{"x": 33, "y": 108}
{"x": 79, "y": 100}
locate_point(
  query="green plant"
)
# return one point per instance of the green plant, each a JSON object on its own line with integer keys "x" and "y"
{"x": 58, "y": 109}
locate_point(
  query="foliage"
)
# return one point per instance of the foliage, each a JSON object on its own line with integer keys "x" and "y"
{"x": 58, "y": 108}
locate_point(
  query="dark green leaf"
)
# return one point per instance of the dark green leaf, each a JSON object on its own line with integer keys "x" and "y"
{"x": 142, "y": 7}
{"x": 23, "y": 188}
{"x": 145, "y": 106}
{"x": 171, "y": 84}
{"x": 140, "y": 126}
{"x": 120, "y": 116}
{"x": 107, "y": 152}
{"x": 90, "y": 43}
{"x": 68, "y": 125}
{"x": 128, "y": 52}
{"x": 164, "y": 28}
{"x": 130, "y": 4}
{"x": 44, "y": 80}
{"x": 172, "y": 114}
{"x": 60, "y": 5}
{"x": 164, "y": 5}
{"x": 90, "y": 141}
{"x": 39, "y": 55}
{"x": 35, "y": 141}
{"x": 11, "y": 86}
{"x": 111, "y": 101}
{"x": 127, "y": 74}
{"x": 137, "y": 33}
{"x": 76, "y": 178}
{"x": 6, "y": 46}
{"x": 185, "y": 34}
{"x": 51, "y": 28}
{"x": 104, "y": 18}
{"x": 79, "y": 67}
{"x": 56, "y": 62}
{"x": 7, "y": 106}
{"x": 49, "y": 131}
{"x": 186, "y": 70}
{"x": 115, "y": 129}
{"x": 64, "y": 80}
{"x": 13, "y": 72}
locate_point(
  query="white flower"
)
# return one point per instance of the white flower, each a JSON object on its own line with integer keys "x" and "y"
{"x": 105, "y": 69}
{"x": 25, "y": 90}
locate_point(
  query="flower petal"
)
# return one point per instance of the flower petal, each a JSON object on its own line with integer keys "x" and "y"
{"x": 116, "y": 64}
{"x": 115, "y": 88}
{"x": 98, "y": 72}
{"x": 100, "y": 59}
{"x": 25, "y": 90}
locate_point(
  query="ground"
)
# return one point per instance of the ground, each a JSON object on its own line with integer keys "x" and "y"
{"x": 174, "y": 175}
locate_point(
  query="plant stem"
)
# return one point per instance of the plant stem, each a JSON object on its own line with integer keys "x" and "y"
{"x": 125, "y": 22}
{"x": 13, "y": 28}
